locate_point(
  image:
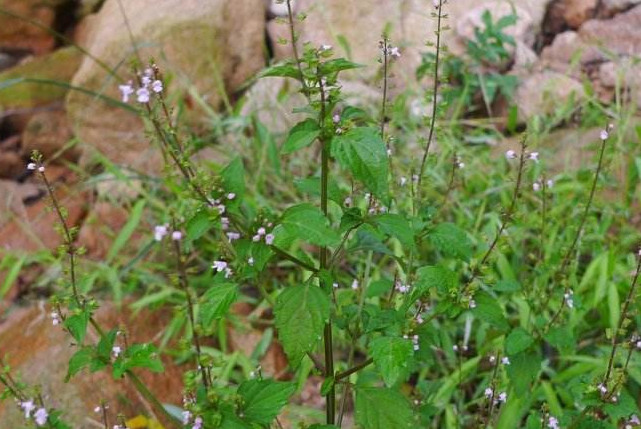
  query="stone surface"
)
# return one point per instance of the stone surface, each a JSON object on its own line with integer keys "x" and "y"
{"x": 11, "y": 165}
{"x": 101, "y": 227}
{"x": 543, "y": 92}
{"x": 576, "y": 12}
{"x": 19, "y": 34}
{"x": 39, "y": 353}
{"x": 210, "y": 48}
{"x": 49, "y": 133}
{"x": 58, "y": 66}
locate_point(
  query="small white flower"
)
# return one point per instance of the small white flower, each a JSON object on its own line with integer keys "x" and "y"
{"x": 41, "y": 416}
{"x": 336, "y": 119}
{"x": 394, "y": 52}
{"x": 224, "y": 221}
{"x": 389, "y": 152}
{"x": 553, "y": 423}
{"x": 228, "y": 272}
{"x": 142, "y": 95}
{"x": 602, "y": 388}
{"x": 325, "y": 47}
{"x": 348, "y": 203}
{"x": 335, "y": 285}
{"x": 198, "y": 423}
{"x": 156, "y": 86}
{"x": 638, "y": 345}
{"x": 436, "y": 3}
{"x": 415, "y": 178}
{"x": 31, "y": 166}
{"x": 145, "y": 80}
{"x": 488, "y": 392}
{"x": 460, "y": 165}
{"x": 472, "y": 304}
{"x": 221, "y": 208}
{"x": 568, "y": 299}
{"x": 419, "y": 319}
{"x": 536, "y": 186}
{"x": 27, "y": 407}
{"x": 534, "y": 156}
{"x": 126, "y": 91}
{"x": 231, "y": 196}
{"x": 403, "y": 181}
{"x": 549, "y": 183}
{"x": 492, "y": 359}
{"x": 186, "y": 417}
{"x": 510, "y": 154}
{"x": 256, "y": 238}
{"x": 261, "y": 231}
{"x": 455, "y": 348}
{"x": 97, "y": 409}
{"x": 41, "y": 169}
{"x": 634, "y": 419}
{"x": 116, "y": 350}
{"x": 160, "y": 231}
{"x": 55, "y": 319}
{"x": 505, "y": 360}
{"x": 269, "y": 239}
{"x": 604, "y": 135}
{"x": 219, "y": 265}
{"x": 231, "y": 236}
{"x": 176, "y": 235}
{"x": 502, "y": 397}
{"x": 355, "y": 284}
{"x": 250, "y": 261}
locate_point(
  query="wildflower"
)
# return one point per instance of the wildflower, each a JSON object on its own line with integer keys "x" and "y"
{"x": 116, "y": 350}
{"x": 460, "y": 165}
{"x": 550, "y": 183}
{"x": 250, "y": 261}
{"x": 219, "y": 266}
{"x": 355, "y": 284}
{"x": 97, "y": 409}
{"x": 186, "y": 417}
{"x": 568, "y": 299}
{"x": 602, "y": 388}
{"x": 231, "y": 236}
{"x": 472, "y": 303}
{"x": 505, "y": 360}
{"x": 142, "y": 95}
{"x": 41, "y": 169}
{"x": 336, "y": 119}
{"x": 634, "y": 420}
{"x": 159, "y": 232}
{"x": 389, "y": 152}
{"x": 221, "y": 208}
{"x": 55, "y": 319}
{"x": 415, "y": 178}
{"x": 502, "y": 397}
{"x": 325, "y": 47}
{"x": 335, "y": 285}
{"x": 553, "y": 423}
{"x": 176, "y": 235}
{"x": 415, "y": 342}
{"x": 41, "y": 416}
{"x": 156, "y": 86}
{"x": 339, "y": 131}
{"x": 261, "y": 231}
{"x": 638, "y": 345}
{"x": 534, "y": 156}
{"x": 126, "y": 91}
{"x": 394, "y": 52}
{"x": 348, "y": 203}
{"x": 27, "y": 407}
{"x": 403, "y": 181}
{"x": 419, "y": 319}
{"x": 228, "y": 272}
{"x": 455, "y": 348}
{"x": 492, "y": 359}
{"x": 224, "y": 222}
{"x": 269, "y": 239}
{"x": 436, "y": 4}
{"x": 198, "y": 423}
{"x": 256, "y": 238}
{"x": 488, "y": 392}
{"x": 31, "y": 166}
{"x": 604, "y": 135}
{"x": 145, "y": 80}
{"x": 536, "y": 186}
{"x": 510, "y": 154}
{"x": 231, "y": 196}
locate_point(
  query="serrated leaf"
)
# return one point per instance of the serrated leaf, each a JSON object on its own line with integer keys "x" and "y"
{"x": 198, "y": 225}
{"x": 396, "y": 226}
{"x": 301, "y": 313}
{"x": 488, "y": 310}
{"x": 382, "y": 408}
{"x": 216, "y": 301}
{"x": 309, "y": 224}
{"x": 362, "y": 151}
{"x": 524, "y": 367}
{"x": 138, "y": 356}
{"x": 451, "y": 240}
{"x": 441, "y": 278}
{"x": 233, "y": 176}
{"x": 263, "y": 399}
{"x": 281, "y": 70}
{"x": 391, "y": 356}
{"x": 80, "y": 359}
{"x": 301, "y": 135}
{"x": 562, "y": 338}
{"x": 77, "y": 325}
{"x": 518, "y": 340}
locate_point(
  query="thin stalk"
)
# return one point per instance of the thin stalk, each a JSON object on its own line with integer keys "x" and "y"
{"x": 385, "y": 44}
{"x": 434, "y": 99}
{"x": 624, "y": 313}
{"x": 493, "y": 387}
{"x": 184, "y": 285}
{"x": 292, "y": 35}
{"x": 342, "y": 375}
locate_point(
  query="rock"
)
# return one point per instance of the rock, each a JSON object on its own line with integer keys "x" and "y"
{"x": 48, "y": 132}
{"x": 16, "y": 33}
{"x": 609, "y": 8}
{"x": 210, "y": 47}
{"x": 101, "y": 227}
{"x": 39, "y": 353}
{"x": 576, "y": 12}
{"x": 7, "y": 61}
{"x": 543, "y": 92}
{"x": 11, "y": 164}
{"x": 58, "y": 66}
{"x": 13, "y": 198}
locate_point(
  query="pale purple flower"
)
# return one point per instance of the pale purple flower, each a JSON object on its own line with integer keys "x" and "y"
{"x": 502, "y": 397}
{"x": 219, "y": 265}
{"x": 224, "y": 222}
{"x": 176, "y": 235}
{"x": 256, "y": 238}
{"x": 550, "y": 183}
{"x": 27, "y": 407}
{"x": 488, "y": 392}
{"x": 126, "y": 91}
{"x": 604, "y": 135}
{"x": 436, "y": 3}
{"x": 142, "y": 95}
{"x": 41, "y": 416}
{"x": 116, "y": 350}
{"x": 231, "y": 196}
{"x": 231, "y": 236}
{"x": 261, "y": 231}
{"x": 198, "y": 423}
{"x": 394, "y": 52}
{"x": 355, "y": 284}
{"x": 553, "y": 423}
{"x": 55, "y": 319}
{"x": 336, "y": 119}
{"x": 505, "y": 360}
{"x": 160, "y": 231}
{"x": 536, "y": 186}
{"x": 31, "y": 166}
{"x": 534, "y": 156}
{"x": 186, "y": 417}
{"x": 41, "y": 169}
{"x": 156, "y": 86}
{"x": 510, "y": 154}
{"x": 269, "y": 239}
{"x": 348, "y": 202}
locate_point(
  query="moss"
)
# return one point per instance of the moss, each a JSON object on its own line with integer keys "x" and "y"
{"x": 59, "y": 66}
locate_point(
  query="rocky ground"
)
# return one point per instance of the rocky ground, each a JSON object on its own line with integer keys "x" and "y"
{"x": 214, "y": 49}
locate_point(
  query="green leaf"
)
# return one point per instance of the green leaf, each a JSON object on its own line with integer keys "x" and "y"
{"x": 263, "y": 399}
{"x": 489, "y": 310}
{"x": 451, "y": 241}
{"x": 138, "y": 356}
{"x": 80, "y": 359}
{"x": 562, "y": 338}
{"x": 382, "y": 408}
{"x": 216, "y": 301}
{"x": 523, "y": 370}
{"x": 106, "y": 343}
{"x": 77, "y": 325}
{"x": 233, "y": 177}
{"x": 281, "y": 70}
{"x": 396, "y": 226}
{"x": 392, "y": 356}
{"x": 309, "y": 224}
{"x": 507, "y": 286}
{"x": 327, "y": 385}
{"x": 301, "y": 135}
{"x": 198, "y": 225}
{"x": 518, "y": 340}
{"x": 301, "y": 313}
{"x": 126, "y": 231}
{"x": 441, "y": 278}
{"x": 362, "y": 151}
{"x": 337, "y": 65}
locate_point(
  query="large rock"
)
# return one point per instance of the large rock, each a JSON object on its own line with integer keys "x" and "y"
{"x": 39, "y": 353}
{"x": 48, "y": 132}
{"x": 210, "y": 48}
{"x": 543, "y": 92}
{"x": 19, "y": 34}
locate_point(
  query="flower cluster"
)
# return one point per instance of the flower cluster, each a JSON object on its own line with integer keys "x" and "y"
{"x": 33, "y": 166}
{"x": 222, "y": 266}
{"x": 414, "y": 339}
{"x": 148, "y": 84}
{"x": 490, "y": 394}
{"x": 401, "y": 288}
{"x": 262, "y": 233}
{"x": 160, "y": 231}
{"x": 569, "y": 298}
{"x": 55, "y": 319}
{"x": 40, "y": 415}
{"x": 553, "y": 423}
{"x": 538, "y": 185}
{"x": 390, "y": 51}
